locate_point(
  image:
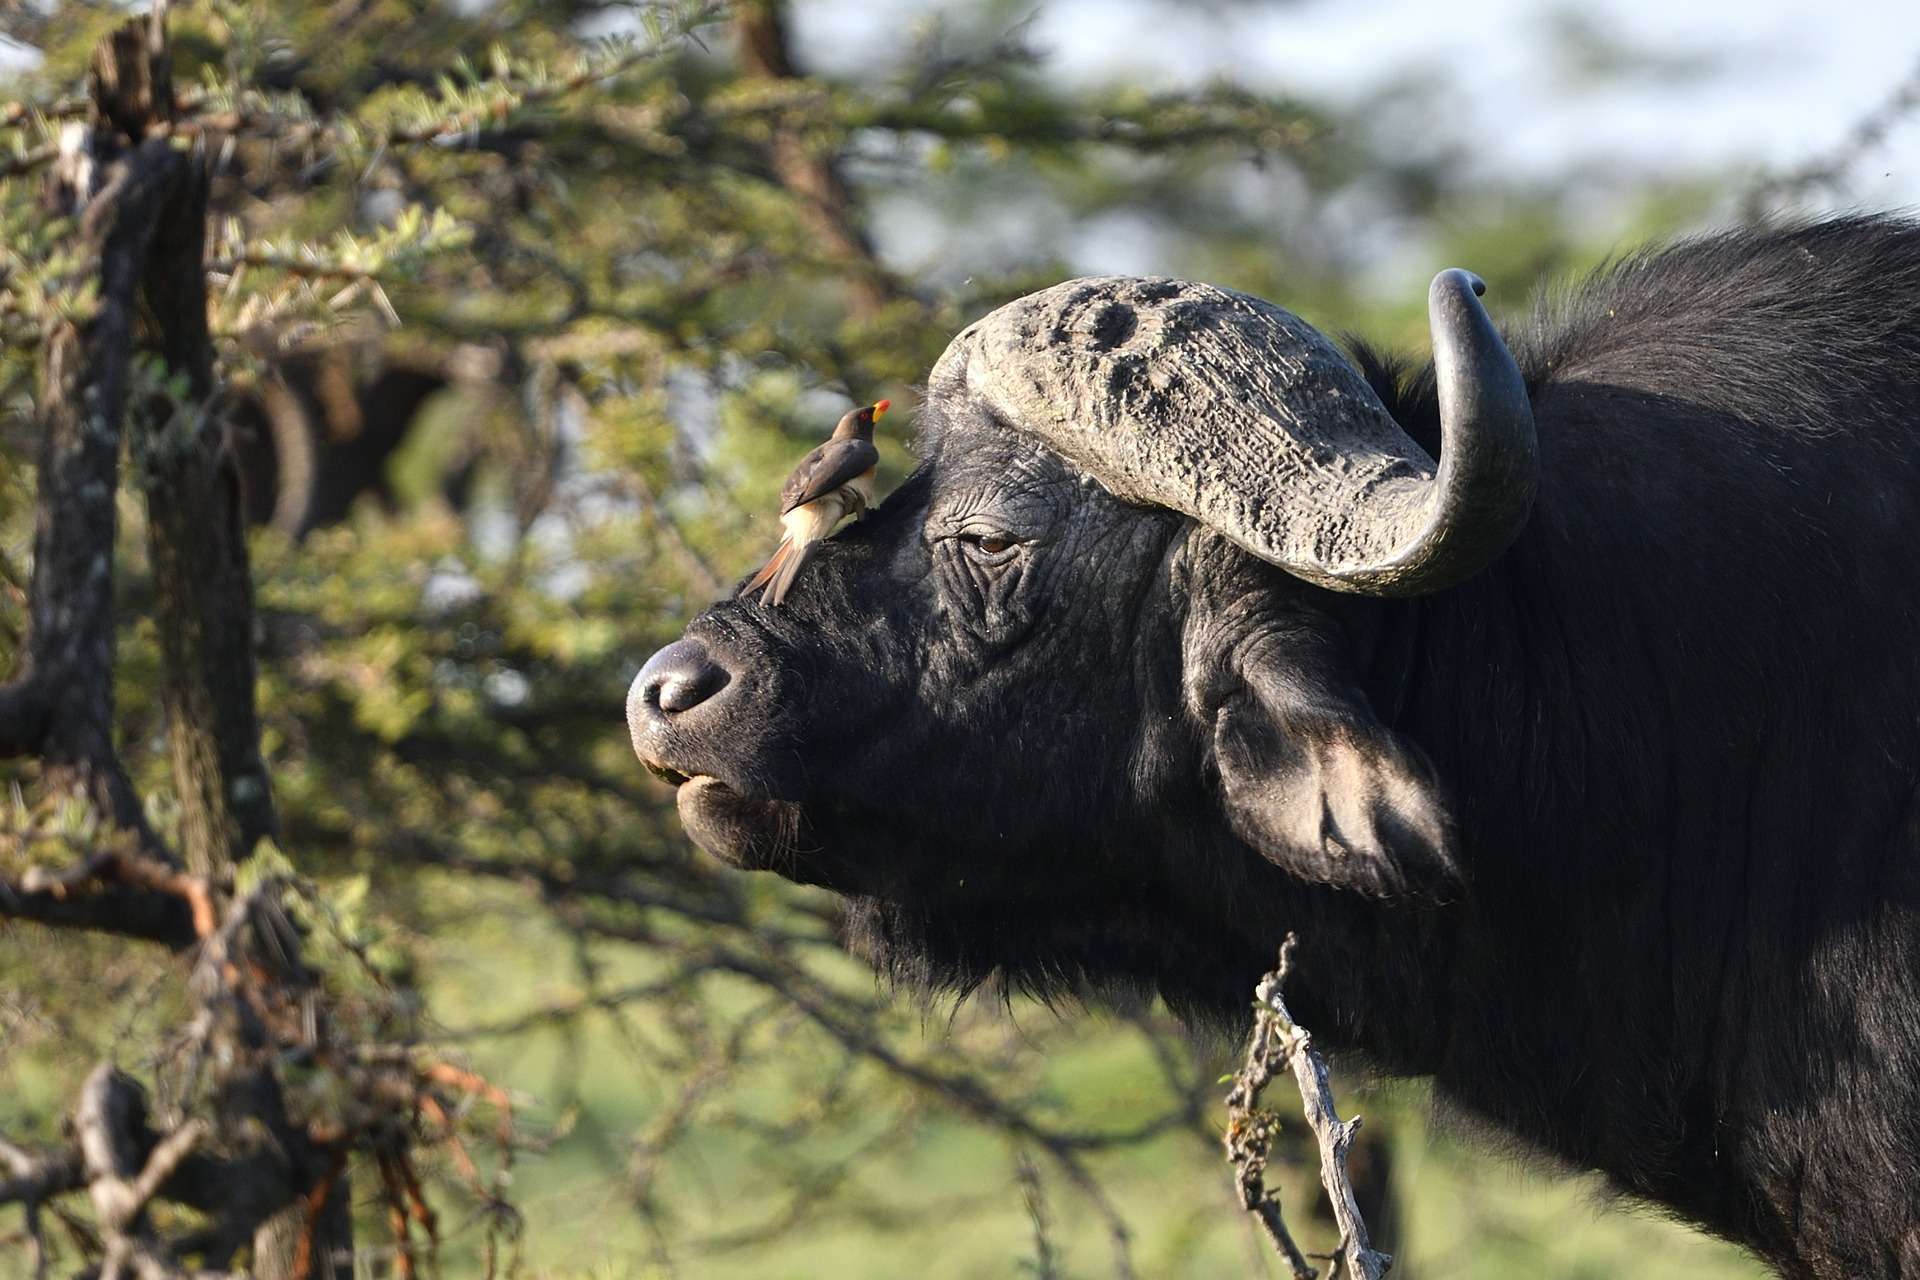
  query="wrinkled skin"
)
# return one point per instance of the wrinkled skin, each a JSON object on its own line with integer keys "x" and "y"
{"x": 1616, "y": 841}
{"x": 1002, "y": 886}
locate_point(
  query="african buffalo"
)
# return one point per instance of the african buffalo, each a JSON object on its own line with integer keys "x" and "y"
{"x": 1584, "y": 761}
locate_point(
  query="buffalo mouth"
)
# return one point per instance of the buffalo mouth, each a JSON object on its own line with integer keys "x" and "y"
{"x": 672, "y": 777}
{"x": 744, "y": 831}
{"x": 748, "y": 832}
{"x": 1101, "y": 942}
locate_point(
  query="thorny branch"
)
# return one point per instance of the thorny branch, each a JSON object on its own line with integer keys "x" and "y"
{"x": 1278, "y": 1041}
{"x": 196, "y": 112}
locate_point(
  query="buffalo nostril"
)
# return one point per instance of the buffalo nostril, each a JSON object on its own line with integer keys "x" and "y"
{"x": 679, "y": 678}
{"x": 685, "y": 693}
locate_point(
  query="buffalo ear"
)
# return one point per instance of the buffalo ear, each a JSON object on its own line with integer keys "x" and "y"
{"x": 1319, "y": 787}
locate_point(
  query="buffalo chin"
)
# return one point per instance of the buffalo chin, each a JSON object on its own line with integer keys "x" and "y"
{"x": 1096, "y": 945}
{"x": 746, "y": 832}
{"x": 758, "y": 833}
{"x": 1112, "y": 952}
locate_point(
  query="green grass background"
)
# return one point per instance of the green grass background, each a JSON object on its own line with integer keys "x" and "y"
{"x": 1468, "y": 1212}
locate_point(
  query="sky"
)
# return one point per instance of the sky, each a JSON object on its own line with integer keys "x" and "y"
{"x": 1783, "y": 81}
{"x": 1786, "y": 78}
{"x": 1596, "y": 97}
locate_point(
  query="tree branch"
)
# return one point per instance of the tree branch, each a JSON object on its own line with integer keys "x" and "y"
{"x": 127, "y": 912}
{"x": 143, "y": 231}
{"x": 1277, "y": 1038}
{"x": 809, "y": 175}
{"x": 1251, "y": 1131}
{"x": 37, "y": 1178}
{"x": 110, "y": 1124}
{"x": 69, "y": 651}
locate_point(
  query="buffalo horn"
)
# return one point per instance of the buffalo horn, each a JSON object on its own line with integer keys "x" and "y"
{"x": 1241, "y": 415}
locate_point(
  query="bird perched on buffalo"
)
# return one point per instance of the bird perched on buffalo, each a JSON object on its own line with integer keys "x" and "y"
{"x": 831, "y": 483}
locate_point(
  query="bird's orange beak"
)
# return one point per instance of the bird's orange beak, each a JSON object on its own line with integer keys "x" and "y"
{"x": 881, "y": 407}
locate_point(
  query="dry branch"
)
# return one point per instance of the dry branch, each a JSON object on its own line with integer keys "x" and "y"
{"x": 808, "y": 173}
{"x": 121, "y": 893}
{"x": 37, "y": 1178}
{"x": 1278, "y": 1041}
{"x": 110, "y": 1124}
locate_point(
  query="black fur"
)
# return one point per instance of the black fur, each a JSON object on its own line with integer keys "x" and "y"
{"x": 1626, "y": 847}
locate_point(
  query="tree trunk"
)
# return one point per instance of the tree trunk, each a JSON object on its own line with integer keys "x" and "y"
{"x": 143, "y": 205}
{"x": 809, "y": 175}
{"x": 196, "y": 535}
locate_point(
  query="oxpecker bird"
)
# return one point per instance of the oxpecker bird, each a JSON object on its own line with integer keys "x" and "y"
{"x": 831, "y": 483}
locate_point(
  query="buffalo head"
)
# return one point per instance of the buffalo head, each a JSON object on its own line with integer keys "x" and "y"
{"x": 1086, "y": 700}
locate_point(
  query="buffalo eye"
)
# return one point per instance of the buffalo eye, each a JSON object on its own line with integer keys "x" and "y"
{"x": 988, "y": 548}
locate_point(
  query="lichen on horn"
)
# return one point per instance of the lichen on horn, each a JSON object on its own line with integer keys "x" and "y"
{"x": 1239, "y": 414}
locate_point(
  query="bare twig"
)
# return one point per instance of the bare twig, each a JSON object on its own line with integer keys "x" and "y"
{"x": 1251, "y": 1131}
{"x": 566, "y": 1011}
{"x": 1277, "y": 1039}
{"x": 109, "y": 1122}
{"x": 1045, "y": 1265}
{"x": 960, "y": 1090}
{"x": 36, "y": 1178}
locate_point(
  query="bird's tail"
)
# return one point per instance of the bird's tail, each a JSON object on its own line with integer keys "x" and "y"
{"x": 778, "y": 573}
{"x": 771, "y": 567}
{"x": 798, "y": 553}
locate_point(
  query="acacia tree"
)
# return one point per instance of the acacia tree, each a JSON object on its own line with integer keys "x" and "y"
{"x": 560, "y": 302}
{"x": 124, "y": 351}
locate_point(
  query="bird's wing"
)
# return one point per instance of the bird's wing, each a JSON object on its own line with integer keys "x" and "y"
{"x": 826, "y": 469}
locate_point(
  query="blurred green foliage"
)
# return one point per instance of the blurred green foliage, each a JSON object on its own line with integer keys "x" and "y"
{"x": 635, "y": 318}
